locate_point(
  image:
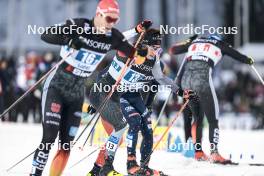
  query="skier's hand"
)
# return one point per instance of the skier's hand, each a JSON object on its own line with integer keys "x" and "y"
{"x": 144, "y": 25}
{"x": 91, "y": 110}
{"x": 76, "y": 43}
{"x": 187, "y": 94}
{"x": 250, "y": 61}
{"x": 149, "y": 109}
{"x": 193, "y": 37}
{"x": 142, "y": 52}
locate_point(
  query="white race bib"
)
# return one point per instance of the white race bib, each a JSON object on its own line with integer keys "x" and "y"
{"x": 131, "y": 77}
{"x": 198, "y": 51}
{"x": 82, "y": 59}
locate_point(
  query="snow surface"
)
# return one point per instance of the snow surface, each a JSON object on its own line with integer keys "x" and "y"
{"x": 18, "y": 140}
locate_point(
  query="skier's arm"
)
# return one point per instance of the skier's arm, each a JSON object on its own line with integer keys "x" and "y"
{"x": 228, "y": 50}
{"x": 182, "y": 47}
{"x": 130, "y": 33}
{"x": 151, "y": 95}
{"x": 180, "y": 73}
{"x": 60, "y": 37}
{"x": 122, "y": 45}
{"x": 163, "y": 79}
{"x": 144, "y": 25}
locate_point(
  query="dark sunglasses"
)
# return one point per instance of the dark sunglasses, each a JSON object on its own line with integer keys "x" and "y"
{"x": 109, "y": 19}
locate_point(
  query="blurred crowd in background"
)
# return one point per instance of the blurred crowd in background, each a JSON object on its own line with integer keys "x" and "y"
{"x": 240, "y": 94}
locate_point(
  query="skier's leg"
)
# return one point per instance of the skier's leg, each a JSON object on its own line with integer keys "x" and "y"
{"x": 210, "y": 106}
{"x": 197, "y": 126}
{"x": 101, "y": 156}
{"x": 100, "y": 160}
{"x": 208, "y": 98}
{"x": 134, "y": 120}
{"x": 147, "y": 142}
{"x": 68, "y": 130}
{"x": 112, "y": 114}
{"x": 51, "y": 114}
{"x": 187, "y": 118}
{"x": 196, "y": 80}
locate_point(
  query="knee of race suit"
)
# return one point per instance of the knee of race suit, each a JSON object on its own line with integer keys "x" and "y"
{"x": 134, "y": 123}
{"x": 113, "y": 141}
{"x": 121, "y": 125}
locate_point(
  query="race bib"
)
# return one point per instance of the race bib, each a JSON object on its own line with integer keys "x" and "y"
{"x": 201, "y": 51}
{"x": 112, "y": 144}
{"x": 82, "y": 59}
{"x": 131, "y": 77}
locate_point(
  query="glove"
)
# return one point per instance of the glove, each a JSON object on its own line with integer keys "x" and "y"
{"x": 149, "y": 109}
{"x": 187, "y": 94}
{"x": 144, "y": 25}
{"x": 193, "y": 37}
{"x": 250, "y": 61}
{"x": 91, "y": 110}
{"x": 76, "y": 43}
{"x": 142, "y": 52}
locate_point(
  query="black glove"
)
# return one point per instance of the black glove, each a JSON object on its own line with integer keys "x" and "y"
{"x": 193, "y": 37}
{"x": 187, "y": 94}
{"x": 149, "y": 109}
{"x": 250, "y": 61}
{"x": 91, "y": 110}
{"x": 142, "y": 50}
{"x": 76, "y": 43}
{"x": 144, "y": 25}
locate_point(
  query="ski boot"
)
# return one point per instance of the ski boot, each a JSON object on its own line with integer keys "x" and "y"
{"x": 132, "y": 166}
{"x": 146, "y": 171}
{"x": 215, "y": 157}
{"x": 108, "y": 168}
{"x": 200, "y": 156}
{"x": 95, "y": 170}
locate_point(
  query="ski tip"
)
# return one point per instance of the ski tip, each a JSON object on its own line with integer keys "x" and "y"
{"x": 256, "y": 164}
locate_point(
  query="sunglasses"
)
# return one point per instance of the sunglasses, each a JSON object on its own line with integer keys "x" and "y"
{"x": 109, "y": 19}
{"x": 155, "y": 47}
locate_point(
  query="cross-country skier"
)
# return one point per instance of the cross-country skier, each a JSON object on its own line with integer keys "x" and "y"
{"x": 138, "y": 116}
{"x": 202, "y": 55}
{"x": 135, "y": 78}
{"x": 63, "y": 91}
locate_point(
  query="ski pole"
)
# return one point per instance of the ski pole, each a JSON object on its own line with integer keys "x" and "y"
{"x": 20, "y": 161}
{"x": 257, "y": 73}
{"x": 168, "y": 98}
{"x": 91, "y": 131}
{"x": 92, "y": 152}
{"x": 167, "y": 129}
{"x": 35, "y": 85}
